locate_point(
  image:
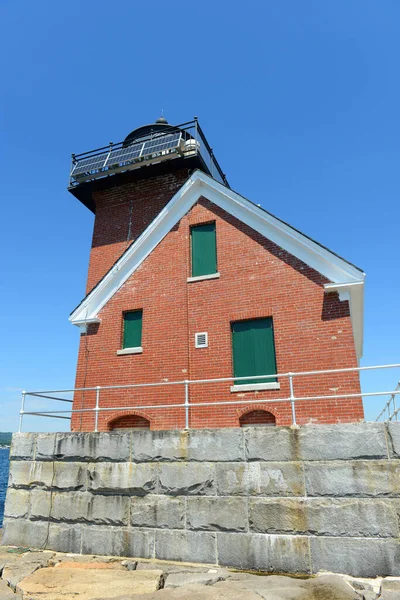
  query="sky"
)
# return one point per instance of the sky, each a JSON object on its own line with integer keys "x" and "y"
{"x": 299, "y": 99}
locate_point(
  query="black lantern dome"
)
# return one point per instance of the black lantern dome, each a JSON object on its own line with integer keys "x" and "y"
{"x": 160, "y": 126}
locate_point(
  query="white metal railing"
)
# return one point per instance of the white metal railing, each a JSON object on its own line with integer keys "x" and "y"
{"x": 187, "y": 405}
{"x": 390, "y": 407}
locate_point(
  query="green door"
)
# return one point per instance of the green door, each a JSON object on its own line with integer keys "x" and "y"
{"x": 253, "y": 350}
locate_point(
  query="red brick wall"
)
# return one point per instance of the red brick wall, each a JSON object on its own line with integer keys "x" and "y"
{"x": 258, "y": 279}
{"x": 122, "y": 214}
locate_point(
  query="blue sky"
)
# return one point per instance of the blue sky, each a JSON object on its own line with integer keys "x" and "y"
{"x": 300, "y": 101}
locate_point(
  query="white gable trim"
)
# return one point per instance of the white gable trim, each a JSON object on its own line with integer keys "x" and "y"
{"x": 335, "y": 269}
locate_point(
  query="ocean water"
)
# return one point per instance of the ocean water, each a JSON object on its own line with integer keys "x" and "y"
{"x": 4, "y": 467}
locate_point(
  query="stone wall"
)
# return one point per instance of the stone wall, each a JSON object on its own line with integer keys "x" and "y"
{"x": 274, "y": 499}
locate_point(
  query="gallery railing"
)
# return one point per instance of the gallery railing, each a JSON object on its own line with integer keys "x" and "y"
{"x": 186, "y": 405}
{"x": 185, "y": 140}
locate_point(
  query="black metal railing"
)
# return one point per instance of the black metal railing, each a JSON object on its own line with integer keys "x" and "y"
{"x": 186, "y": 141}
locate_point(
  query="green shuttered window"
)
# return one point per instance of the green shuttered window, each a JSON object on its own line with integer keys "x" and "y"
{"x": 253, "y": 350}
{"x": 204, "y": 250}
{"x": 133, "y": 329}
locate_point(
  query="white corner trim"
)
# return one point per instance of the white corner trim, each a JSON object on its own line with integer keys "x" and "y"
{"x": 137, "y": 350}
{"x": 353, "y": 291}
{"x": 254, "y": 387}
{"x": 199, "y": 184}
{"x": 204, "y": 277}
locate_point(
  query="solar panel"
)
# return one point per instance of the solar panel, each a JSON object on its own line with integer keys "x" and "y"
{"x": 161, "y": 143}
{"x": 125, "y": 154}
{"x": 86, "y": 165}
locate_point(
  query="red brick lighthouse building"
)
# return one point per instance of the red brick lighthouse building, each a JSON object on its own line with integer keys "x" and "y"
{"x": 188, "y": 280}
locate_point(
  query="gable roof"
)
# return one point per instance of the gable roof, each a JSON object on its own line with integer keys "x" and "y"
{"x": 345, "y": 278}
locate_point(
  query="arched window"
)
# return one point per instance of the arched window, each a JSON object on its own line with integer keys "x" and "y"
{"x": 257, "y": 418}
{"x": 130, "y": 422}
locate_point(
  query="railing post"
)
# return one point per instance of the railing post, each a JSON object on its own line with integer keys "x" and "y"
{"x": 292, "y": 400}
{"x": 186, "y": 404}
{"x": 96, "y": 414}
{"x": 21, "y": 412}
{"x": 196, "y": 136}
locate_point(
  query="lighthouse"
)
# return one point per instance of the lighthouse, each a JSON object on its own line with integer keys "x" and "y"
{"x": 199, "y": 302}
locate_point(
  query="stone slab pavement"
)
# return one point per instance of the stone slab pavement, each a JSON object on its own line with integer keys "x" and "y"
{"x": 45, "y": 575}
{"x": 88, "y": 583}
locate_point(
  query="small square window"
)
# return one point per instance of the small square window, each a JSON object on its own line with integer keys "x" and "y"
{"x": 201, "y": 340}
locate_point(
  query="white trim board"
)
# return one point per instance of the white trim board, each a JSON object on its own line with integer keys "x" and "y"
{"x": 354, "y": 293}
{"x": 334, "y": 268}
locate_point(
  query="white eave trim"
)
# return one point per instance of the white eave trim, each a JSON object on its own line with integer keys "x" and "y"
{"x": 334, "y": 268}
{"x": 352, "y": 291}
{"x": 83, "y": 325}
